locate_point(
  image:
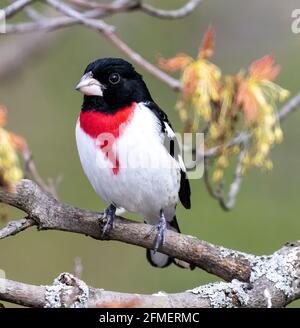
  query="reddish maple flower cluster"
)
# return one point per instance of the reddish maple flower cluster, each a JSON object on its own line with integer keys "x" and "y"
{"x": 228, "y": 105}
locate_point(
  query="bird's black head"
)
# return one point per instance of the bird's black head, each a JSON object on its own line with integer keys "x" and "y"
{"x": 110, "y": 84}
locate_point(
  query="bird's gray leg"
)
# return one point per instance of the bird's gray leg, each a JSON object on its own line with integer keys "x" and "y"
{"x": 161, "y": 228}
{"x": 108, "y": 218}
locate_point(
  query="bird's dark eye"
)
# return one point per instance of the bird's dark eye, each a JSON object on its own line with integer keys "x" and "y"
{"x": 114, "y": 78}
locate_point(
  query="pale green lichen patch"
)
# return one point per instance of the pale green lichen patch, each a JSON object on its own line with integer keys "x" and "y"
{"x": 223, "y": 295}
{"x": 52, "y": 296}
{"x": 241, "y": 290}
{"x": 225, "y": 252}
{"x": 278, "y": 268}
{"x": 66, "y": 291}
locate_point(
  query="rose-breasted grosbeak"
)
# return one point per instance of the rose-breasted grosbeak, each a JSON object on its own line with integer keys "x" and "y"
{"x": 121, "y": 137}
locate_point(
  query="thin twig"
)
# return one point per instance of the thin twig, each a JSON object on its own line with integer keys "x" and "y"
{"x": 78, "y": 268}
{"x": 87, "y": 4}
{"x": 289, "y": 107}
{"x": 113, "y": 38}
{"x": 98, "y": 24}
{"x": 14, "y": 227}
{"x": 116, "y": 6}
{"x": 174, "y": 84}
{"x": 33, "y": 14}
{"x": 213, "y": 193}
{"x": 234, "y": 186}
{"x": 31, "y": 169}
{"x": 187, "y": 9}
{"x": 86, "y": 18}
{"x": 15, "y": 7}
{"x": 48, "y": 24}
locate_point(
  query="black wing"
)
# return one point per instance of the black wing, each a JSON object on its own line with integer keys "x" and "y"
{"x": 172, "y": 145}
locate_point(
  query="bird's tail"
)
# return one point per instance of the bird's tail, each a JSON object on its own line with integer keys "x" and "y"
{"x": 161, "y": 260}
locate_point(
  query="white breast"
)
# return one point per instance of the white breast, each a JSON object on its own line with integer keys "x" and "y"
{"x": 148, "y": 179}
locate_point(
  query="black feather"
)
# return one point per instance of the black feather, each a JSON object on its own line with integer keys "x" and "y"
{"x": 185, "y": 191}
{"x": 153, "y": 263}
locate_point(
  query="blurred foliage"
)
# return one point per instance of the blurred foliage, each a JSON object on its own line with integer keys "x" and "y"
{"x": 44, "y": 107}
{"x": 10, "y": 143}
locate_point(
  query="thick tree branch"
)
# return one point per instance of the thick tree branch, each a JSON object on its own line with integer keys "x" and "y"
{"x": 48, "y": 213}
{"x": 274, "y": 282}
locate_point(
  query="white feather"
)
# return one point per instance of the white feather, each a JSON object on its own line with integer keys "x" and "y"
{"x": 181, "y": 163}
{"x": 169, "y": 131}
{"x": 171, "y": 135}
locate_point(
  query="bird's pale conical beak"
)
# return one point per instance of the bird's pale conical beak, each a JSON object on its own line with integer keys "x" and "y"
{"x": 90, "y": 86}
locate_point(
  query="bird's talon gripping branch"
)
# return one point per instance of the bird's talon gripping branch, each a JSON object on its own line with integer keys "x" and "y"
{"x": 108, "y": 219}
{"x": 161, "y": 228}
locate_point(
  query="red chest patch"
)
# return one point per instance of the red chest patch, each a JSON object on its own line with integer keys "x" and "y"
{"x": 96, "y": 123}
{"x": 100, "y": 125}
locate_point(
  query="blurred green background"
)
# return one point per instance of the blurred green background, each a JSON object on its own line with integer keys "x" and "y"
{"x": 43, "y": 107}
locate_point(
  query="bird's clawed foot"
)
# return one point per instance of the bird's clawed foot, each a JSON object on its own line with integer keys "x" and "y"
{"x": 108, "y": 219}
{"x": 161, "y": 228}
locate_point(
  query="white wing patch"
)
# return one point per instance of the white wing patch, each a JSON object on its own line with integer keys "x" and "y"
{"x": 169, "y": 131}
{"x": 171, "y": 135}
{"x": 181, "y": 163}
